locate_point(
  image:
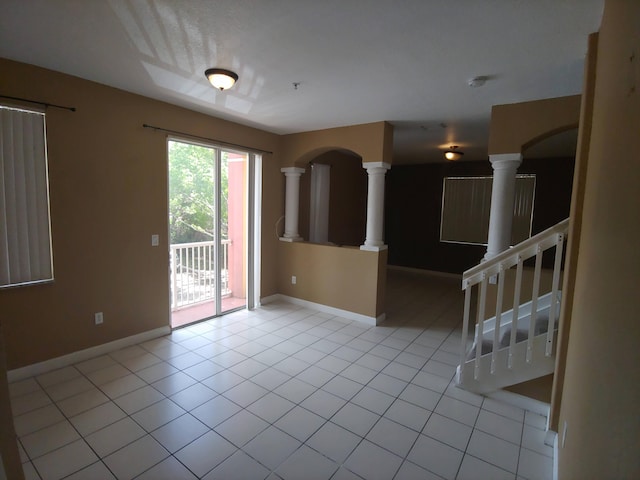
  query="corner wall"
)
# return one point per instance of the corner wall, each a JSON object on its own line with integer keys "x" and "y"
{"x": 108, "y": 190}
{"x": 601, "y": 390}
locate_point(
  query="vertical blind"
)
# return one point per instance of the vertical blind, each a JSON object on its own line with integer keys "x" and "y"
{"x": 25, "y": 240}
{"x": 466, "y": 205}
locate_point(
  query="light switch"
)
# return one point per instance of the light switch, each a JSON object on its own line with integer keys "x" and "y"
{"x": 155, "y": 240}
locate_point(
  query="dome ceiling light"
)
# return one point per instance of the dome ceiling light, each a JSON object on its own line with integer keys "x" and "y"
{"x": 220, "y": 78}
{"x": 453, "y": 153}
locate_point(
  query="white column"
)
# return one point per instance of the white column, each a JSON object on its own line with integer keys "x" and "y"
{"x": 375, "y": 205}
{"x": 292, "y": 203}
{"x": 319, "y": 204}
{"x": 505, "y": 167}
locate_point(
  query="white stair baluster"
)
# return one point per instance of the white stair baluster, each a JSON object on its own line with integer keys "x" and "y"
{"x": 465, "y": 332}
{"x": 496, "y": 328}
{"x": 534, "y": 304}
{"x": 554, "y": 295}
{"x": 480, "y": 325}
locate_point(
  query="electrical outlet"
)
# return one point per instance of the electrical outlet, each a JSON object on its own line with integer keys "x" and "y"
{"x": 293, "y": 280}
{"x": 98, "y": 318}
{"x": 155, "y": 240}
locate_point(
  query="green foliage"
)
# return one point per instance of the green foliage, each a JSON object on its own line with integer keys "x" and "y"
{"x": 192, "y": 193}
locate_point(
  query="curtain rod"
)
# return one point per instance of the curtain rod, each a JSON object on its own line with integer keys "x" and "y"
{"x": 219, "y": 142}
{"x": 45, "y": 104}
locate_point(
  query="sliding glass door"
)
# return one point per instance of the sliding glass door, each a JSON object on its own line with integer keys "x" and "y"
{"x": 210, "y": 241}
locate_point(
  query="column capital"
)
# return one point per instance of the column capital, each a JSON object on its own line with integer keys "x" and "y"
{"x": 505, "y": 160}
{"x": 372, "y": 165}
{"x": 292, "y": 170}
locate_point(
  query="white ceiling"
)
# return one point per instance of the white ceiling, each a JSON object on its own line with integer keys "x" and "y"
{"x": 356, "y": 61}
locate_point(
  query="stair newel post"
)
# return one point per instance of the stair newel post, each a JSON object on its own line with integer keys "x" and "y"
{"x": 534, "y": 303}
{"x": 480, "y": 324}
{"x": 557, "y": 265}
{"x": 496, "y": 328}
{"x": 516, "y": 308}
{"x": 465, "y": 330}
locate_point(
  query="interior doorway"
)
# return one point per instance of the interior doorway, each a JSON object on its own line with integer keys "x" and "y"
{"x": 210, "y": 237}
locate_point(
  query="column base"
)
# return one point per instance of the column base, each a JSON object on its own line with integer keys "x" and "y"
{"x": 374, "y": 248}
{"x": 291, "y": 239}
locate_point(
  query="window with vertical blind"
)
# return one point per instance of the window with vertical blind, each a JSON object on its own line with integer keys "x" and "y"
{"x": 466, "y": 203}
{"x": 25, "y": 239}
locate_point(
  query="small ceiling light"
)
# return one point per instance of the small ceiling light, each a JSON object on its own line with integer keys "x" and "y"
{"x": 453, "y": 154}
{"x": 476, "y": 82}
{"x": 220, "y": 78}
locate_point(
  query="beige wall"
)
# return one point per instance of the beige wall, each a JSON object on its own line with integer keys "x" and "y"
{"x": 373, "y": 142}
{"x": 601, "y": 394}
{"x": 341, "y": 277}
{"x": 514, "y": 127}
{"x": 108, "y": 184}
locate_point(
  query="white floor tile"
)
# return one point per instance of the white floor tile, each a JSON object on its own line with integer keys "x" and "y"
{"x": 114, "y": 436}
{"x": 138, "y": 399}
{"x": 270, "y": 407}
{"x": 97, "y": 418}
{"x": 387, "y": 384}
{"x": 473, "y": 469}
{"x": 270, "y": 378}
{"x": 156, "y": 372}
{"x": 533, "y": 439}
{"x": 30, "y": 472}
{"x": 203, "y": 370}
{"x": 342, "y": 387}
{"x": 494, "y": 450}
{"x": 82, "y": 402}
{"x": 48, "y": 439}
{"x": 400, "y": 371}
{"x": 503, "y": 409}
{"x": 300, "y": 423}
{"x": 373, "y": 462}
{"x": 168, "y": 469}
{"x": 243, "y": 427}
{"x": 422, "y": 397}
{"x": 215, "y": 411}
{"x": 173, "y": 383}
{"x": 457, "y": 410}
{"x": 534, "y": 466}
{"x": 238, "y": 466}
{"x": 29, "y": 401}
{"x": 107, "y": 373}
{"x": 132, "y": 460}
{"x": 93, "y": 472}
{"x": 436, "y": 457}
{"x": 122, "y": 386}
{"x": 57, "y": 376}
{"x": 392, "y": 436}
{"x": 315, "y": 376}
{"x": 430, "y": 381}
{"x": 59, "y": 391}
{"x": 445, "y": 430}
{"x": 65, "y": 461}
{"x": 308, "y": 464}
{"x": 355, "y": 419}
{"x": 245, "y": 393}
{"x": 158, "y": 414}
{"x": 140, "y": 362}
{"x": 323, "y": 403}
{"x": 411, "y": 471}
{"x": 37, "y": 419}
{"x": 23, "y": 387}
{"x": 499, "y": 426}
{"x": 334, "y": 442}
{"x": 223, "y": 381}
{"x": 193, "y": 396}
{"x": 373, "y": 400}
{"x": 295, "y": 390}
{"x": 272, "y": 447}
{"x": 179, "y": 432}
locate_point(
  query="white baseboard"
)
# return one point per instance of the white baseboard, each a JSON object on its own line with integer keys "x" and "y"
{"x": 86, "y": 354}
{"x": 326, "y": 309}
{"x": 421, "y": 271}
{"x": 521, "y": 401}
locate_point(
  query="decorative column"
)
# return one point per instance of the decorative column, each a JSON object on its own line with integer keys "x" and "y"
{"x": 505, "y": 167}
{"x": 375, "y": 205}
{"x": 292, "y": 203}
{"x": 319, "y": 204}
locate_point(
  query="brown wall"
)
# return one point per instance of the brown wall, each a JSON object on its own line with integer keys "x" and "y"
{"x": 341, "y": 277}
{"x": 601, "y": 391}
{"x": 108, "y": 184}
{"x": 8, "y": 443}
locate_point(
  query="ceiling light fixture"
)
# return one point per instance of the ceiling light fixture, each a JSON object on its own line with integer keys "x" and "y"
{"x": 220, "y": 78}
{"x": 453, "y": 154}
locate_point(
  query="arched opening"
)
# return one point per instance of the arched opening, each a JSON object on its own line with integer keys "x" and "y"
{"x": 347, "y": 197}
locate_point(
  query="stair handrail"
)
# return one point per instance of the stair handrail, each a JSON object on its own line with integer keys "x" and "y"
{"x": 495, "y": 268}
{"x": 526, "y": 249}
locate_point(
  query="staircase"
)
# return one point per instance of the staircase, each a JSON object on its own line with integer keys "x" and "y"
{"x": 516, "y": 344}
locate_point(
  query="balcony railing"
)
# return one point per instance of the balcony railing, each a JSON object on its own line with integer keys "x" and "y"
{"x": 193, "y": 274}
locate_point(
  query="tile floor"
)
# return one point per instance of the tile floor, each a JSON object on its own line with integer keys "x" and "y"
{"x": 282, "y": 392}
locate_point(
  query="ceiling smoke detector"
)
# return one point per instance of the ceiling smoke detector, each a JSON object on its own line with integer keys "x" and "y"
{"x": 476, "y": 82}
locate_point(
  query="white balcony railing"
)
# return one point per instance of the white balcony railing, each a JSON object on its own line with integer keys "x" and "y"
{"x": 193, "y": 272}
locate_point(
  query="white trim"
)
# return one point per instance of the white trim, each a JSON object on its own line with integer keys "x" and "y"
{"x": 555, "y": 456}
{"x": 421, "y": 271}
{"x": 521, "y": 401}
{"x": 86, "y": 354}
{"x": 326, "y": 309}
{"x": 373, "y": 248}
